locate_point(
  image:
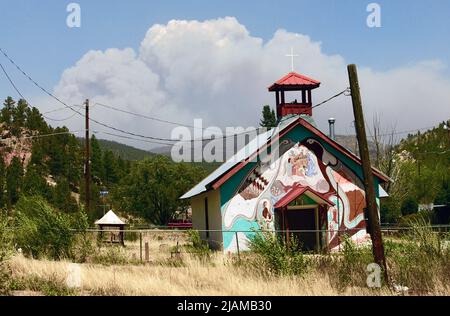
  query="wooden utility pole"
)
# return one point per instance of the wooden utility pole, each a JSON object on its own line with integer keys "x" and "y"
{"x": 87, "y": 167}
{"x": 373, "y": 220}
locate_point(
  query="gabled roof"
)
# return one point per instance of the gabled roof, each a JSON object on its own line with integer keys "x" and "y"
{"x": 294, "y": 81}
{"x": 257, "y": 145}
{"x": 109, "y": 218}
{"x": 298, "y": 191}
{"x": 241, "y": 155}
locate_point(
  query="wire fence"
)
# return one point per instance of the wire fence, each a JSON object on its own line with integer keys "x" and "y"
{"x": 152, "y": 244}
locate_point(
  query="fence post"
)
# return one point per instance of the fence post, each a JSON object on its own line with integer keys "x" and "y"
{"x": 147, "y": 252}
{"x": 140, "y": 244}
{"x": 237, "y": 244}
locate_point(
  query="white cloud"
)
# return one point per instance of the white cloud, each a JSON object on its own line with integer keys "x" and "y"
{"x": 218, "y": 71}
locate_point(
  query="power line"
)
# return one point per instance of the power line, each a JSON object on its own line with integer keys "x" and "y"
{"x": 191, "y": 126}
{"x": 22, "y": 96}
{"x": 63, "y": 108}
{"x": 60, "y": 120}
{"x": 42, "y": 135}
{"x": 406, "y": 132}
{"x": 96, "y": 121}
{"x": 433, "y": 152}
{"x": 148, "y": 117}
{"x": 346, "y": 91}
{"x": 79, "y": 113}
{"x": 33, "y": 81}
{"x": 127, "y": 132}
{"x": 132, "y": 138}
{"x": 10, "y": 81}
{"x": 60, "y": 109}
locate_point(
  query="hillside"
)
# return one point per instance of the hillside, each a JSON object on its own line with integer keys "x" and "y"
{"x": 420, "y": 170}
{"x": 47, "y": 164}
{"x": 348, "y": 141}
{"x": 124, "y": 151}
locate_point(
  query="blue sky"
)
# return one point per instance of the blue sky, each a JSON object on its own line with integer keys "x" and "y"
{"x": 35, "y": 33}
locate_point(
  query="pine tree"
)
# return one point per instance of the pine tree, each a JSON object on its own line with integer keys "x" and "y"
{"x": 62, "y": 197}
{"x": 19, "y": 117}
{"x": 6, "y": 114}
{"x": 14, "y": 174}
{"x": 34, "y": 183}
{"x": 97, "y": 170}
{"x": 110, "y": 168}
{"x": 269, "y": 118}
{"x": 35, "y": 121}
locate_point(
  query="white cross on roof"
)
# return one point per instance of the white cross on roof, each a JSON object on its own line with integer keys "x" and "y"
{"x": 292, "y": 55}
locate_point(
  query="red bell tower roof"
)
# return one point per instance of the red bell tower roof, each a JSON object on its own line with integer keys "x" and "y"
{"x": 294, "y": 81}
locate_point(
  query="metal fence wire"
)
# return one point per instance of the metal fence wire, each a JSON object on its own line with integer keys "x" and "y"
{"x": 153, "y": 244}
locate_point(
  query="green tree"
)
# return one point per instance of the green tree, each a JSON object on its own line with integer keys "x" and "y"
{"x": 443, "y": 196}
{"x": 409, "y": 206}
{"x": 64, "y": 155}
{"x": 389, "y": 211}
{"x": 95, "y": 209}
{"x": 269, "y": 118}
{"x": 35, "y": 121}
{"x": 62, "y": 197}
{"x": 14, "y": 174}
{"x": 19, "y": 117}
{"x": 41, "y": 230}
{"x": 97, "y": 170}
{"x": 34, "y": 183}
{"x": 111, "y": 174}
{"x": 6, "y": 114}
{"x": 153, "y": 187}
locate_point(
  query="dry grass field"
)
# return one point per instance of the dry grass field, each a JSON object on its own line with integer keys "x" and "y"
{"x": 115, "y": 270}
{"x": 219, "y": 278}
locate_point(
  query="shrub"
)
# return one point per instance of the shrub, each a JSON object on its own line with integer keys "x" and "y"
{"x": 351, "y": 267}
{"x": 112, "y": 255}
{"x": 276, "y": 257}
{"x": 6, "y": 249}
{"x": 409, "y": 206}
{"x": 131, "y": 236}
{"x": 413, "y": 219}
{"x": 52, "y": 286}
{"x": 390, "y": 211}
{"x": 83, "y": 245}
{"x": 198, "y": 247}
{"x": 6, "y": 238}
{"x": 43, "y": 231}
{"x": 421, "y": 260}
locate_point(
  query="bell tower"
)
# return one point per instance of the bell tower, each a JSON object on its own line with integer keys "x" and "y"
{"x": 294, "y": 82}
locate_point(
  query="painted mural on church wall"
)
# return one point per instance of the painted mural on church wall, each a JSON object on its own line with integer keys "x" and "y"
{"x": 305, "y": 164}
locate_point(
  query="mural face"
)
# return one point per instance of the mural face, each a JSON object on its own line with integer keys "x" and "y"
{"x": 305, "y": 164}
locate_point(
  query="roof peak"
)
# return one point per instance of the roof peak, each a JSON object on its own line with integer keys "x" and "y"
{"x": 293, "y": 80}
{"x": 110, "y": 218}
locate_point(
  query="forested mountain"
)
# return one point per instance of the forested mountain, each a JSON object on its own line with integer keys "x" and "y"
{"x": 125, "y": 152}
{"x": 39, "y": 160}
{"x": 420, "y": 169}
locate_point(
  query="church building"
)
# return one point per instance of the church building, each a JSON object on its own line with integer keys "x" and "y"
{"x": 292, "y": 179}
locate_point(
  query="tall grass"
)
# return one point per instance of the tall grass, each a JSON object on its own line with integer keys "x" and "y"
{"x": 198, "y": 247}
{"x": 6, "y": 250}
{"x": 421, "y": 260}
{"x": 192, "y": 279}
{"x": 274, "y": 256}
